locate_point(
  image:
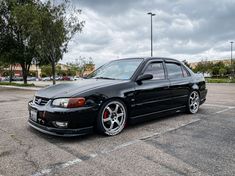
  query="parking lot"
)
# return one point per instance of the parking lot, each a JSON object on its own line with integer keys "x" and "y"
{"x": 182, "y": 144}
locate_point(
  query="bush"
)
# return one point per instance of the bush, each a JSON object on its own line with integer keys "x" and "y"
{"x": 220, "y": 80}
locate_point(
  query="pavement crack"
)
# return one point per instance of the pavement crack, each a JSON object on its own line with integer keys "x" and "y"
{"x": 26, "y": 148}
{"x": 5, "y": 153}
{"x": 28, "y": 159}
{"x": 74, "y": 153}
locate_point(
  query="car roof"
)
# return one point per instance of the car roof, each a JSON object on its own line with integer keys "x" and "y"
{"x": 152, "y": 58}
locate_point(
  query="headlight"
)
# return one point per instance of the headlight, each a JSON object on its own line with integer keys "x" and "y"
{"x": 69, "y": 102}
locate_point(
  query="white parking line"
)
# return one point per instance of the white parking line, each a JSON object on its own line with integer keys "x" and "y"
{"x": 227, "y": 108}
{"x": 224, "y": 110}
{"x": 60, "y": 166}
{"x": 106, "y": 151}
{"x": 218, "y": 105}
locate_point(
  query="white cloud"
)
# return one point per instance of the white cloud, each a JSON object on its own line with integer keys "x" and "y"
{"x": 183, "y": 29}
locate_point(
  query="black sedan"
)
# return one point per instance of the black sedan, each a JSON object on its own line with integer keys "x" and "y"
{"x": 119, "y": 92}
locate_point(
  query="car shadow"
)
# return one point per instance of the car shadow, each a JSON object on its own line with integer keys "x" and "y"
{"x": 96, "y": 136}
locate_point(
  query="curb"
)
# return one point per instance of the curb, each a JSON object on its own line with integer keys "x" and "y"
{"x": 22, "y": 88}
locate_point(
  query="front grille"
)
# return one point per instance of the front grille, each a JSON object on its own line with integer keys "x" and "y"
{"x": 40, "y": 101}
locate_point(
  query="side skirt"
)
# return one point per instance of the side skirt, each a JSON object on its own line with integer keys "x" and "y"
{"x": 155, "y": 115}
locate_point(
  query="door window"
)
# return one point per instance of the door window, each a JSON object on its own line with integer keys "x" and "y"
{"x": 174, "y": 70}
{"x": 156, "y": 69}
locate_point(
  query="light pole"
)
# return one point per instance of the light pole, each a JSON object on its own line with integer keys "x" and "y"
{"x": 232, "y": 67}
{"x": 151, "y": 15}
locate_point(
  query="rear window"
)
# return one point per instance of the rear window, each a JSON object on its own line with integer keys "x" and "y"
{"x": 185, "y": 72}
{"x": 174, "y": 70}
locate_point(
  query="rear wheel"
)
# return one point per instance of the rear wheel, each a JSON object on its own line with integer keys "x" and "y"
{"x": 112, "y": 117}
{"x": 193, "y": 102}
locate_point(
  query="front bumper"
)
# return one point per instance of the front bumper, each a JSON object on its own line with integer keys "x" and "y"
{"x": 60, "y": 132}
{"x": 80, "y": 120}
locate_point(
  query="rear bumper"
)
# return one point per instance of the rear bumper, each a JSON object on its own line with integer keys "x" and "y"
{"x": 60, "y": 132}
{"x": 203, "y": 94}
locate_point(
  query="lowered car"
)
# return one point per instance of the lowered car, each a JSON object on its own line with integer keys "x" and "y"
{"x": 119, "y": 92}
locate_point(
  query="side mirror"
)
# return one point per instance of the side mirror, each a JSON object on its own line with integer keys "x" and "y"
{"x": 144, "y": 77}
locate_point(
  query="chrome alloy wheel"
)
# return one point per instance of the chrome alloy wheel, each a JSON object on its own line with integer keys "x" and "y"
{"x": 194, "y": 101}
{"x": 113, "y": 118}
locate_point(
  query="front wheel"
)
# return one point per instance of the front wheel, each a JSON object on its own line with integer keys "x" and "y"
{"x": 193, "y": 102}
{"x": 112, "y": 117}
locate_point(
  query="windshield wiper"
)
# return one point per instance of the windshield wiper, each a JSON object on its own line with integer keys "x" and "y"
{"x": 101, "y": 77}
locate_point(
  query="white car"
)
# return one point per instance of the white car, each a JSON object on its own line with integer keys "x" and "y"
{"x": 46, "y": 79}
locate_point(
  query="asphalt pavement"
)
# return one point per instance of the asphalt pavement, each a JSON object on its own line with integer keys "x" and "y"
{"x": 182, "y": 144}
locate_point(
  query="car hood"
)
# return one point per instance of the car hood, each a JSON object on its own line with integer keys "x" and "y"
{"x": 71, "y": 89}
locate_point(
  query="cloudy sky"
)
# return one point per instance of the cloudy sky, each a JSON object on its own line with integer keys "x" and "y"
{"x": 182, "y": 29}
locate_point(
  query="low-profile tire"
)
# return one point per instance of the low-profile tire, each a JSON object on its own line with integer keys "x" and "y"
{"x": 193, "y": 102}
{"x": 112, "y": 117}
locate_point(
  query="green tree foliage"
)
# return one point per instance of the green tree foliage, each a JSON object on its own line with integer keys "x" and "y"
{"x": 32, "y": 29}
{"x": 83, "y": 64}
{"x": 218, "y": 69}
{"x": 58, "y": 27}
{"x": 19, "y": 21}
{"x": 46, "y": 70}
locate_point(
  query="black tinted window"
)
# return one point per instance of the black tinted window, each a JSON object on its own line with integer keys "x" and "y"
{"x": 156, "y": 69}
{"x": 185, "y": 72}
{"x": 174, "y": 70}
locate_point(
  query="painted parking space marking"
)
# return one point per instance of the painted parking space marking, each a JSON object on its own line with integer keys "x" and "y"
{"x": 218, "y": 105}
{"x": 227, "y": 108}
{"x": 75, "y": 161}
{"x": 57, "y": 167}
{"x": 224, "y": 110}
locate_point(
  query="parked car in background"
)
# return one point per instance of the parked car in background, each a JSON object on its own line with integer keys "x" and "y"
{"x": 71, "y": 78}
{"x": 122, "y": 91}
{"x": 17, "y": 78}
{"x": 29, "y": 78}
{"x": 76, "y": 78}
{"x": 46, "y": 78}
{"x": 7, "y": 78}
{"x": 58, "y": 78}
{"x": 67, "y": 78}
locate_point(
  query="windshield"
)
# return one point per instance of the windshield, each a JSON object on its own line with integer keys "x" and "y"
{"x": 118, "y": 69}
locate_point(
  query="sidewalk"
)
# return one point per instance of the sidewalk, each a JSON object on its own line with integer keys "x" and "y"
{"x": 22, "y": 88}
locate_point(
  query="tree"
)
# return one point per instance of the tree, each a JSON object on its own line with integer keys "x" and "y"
{"x": 8, "y": 45}
{"x": 58, "y": 27}
{"x": 218, "y": 69}
{"x": 46, "y": 70}
{"x": 31, "y": 29}
{"x": 222, "y": 71}
{"x": 3, "y": 66}
{"x": 84, "y": 64}
{"x": 201, "y": 67}
{"x": 20, "y": 21}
